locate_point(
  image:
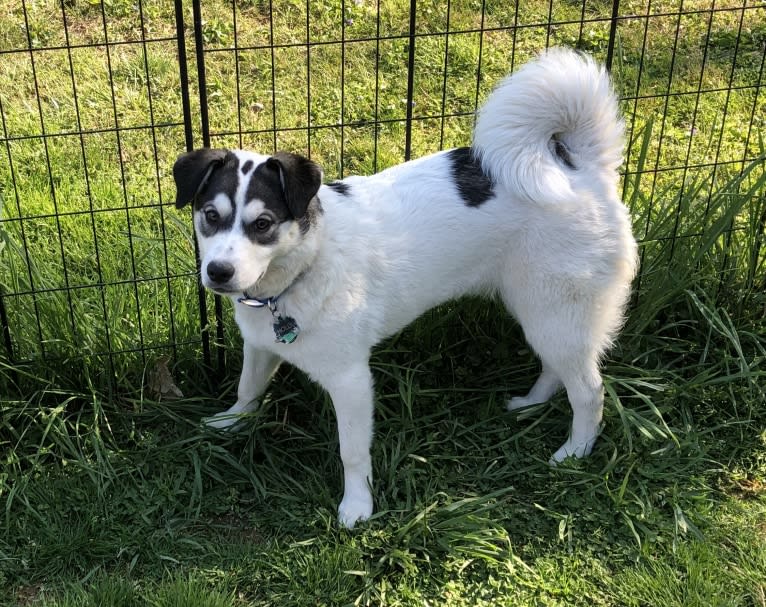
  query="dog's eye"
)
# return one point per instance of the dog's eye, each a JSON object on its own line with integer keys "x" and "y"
{"x": 262, "y": 224}
{"x": 212, "y": 216}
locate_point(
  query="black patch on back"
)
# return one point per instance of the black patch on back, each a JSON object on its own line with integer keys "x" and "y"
{"x": 562, "y": 151}
{"x": 473, "y": 184}
{"x": 340, "y": 187}
{"x": 247, "y": 167}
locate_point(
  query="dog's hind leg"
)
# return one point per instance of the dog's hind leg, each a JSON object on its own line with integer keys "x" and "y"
{"x": 546, "y": 386}
{"x": 257, "y": 368}
{"x": 586, "y": 397}
{"x": 569, "y": 340}
{"x": 577, "y": 368}
{"x": 576, "y": 364}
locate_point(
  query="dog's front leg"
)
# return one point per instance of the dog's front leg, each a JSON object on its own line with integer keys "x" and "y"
{"x": 352, "y": 397}
{"x": 257, "y": 368}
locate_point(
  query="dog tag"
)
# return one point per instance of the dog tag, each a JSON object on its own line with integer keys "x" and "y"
{"x": 286, "y": 329}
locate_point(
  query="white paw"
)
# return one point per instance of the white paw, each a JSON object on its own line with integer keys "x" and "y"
{"x": 519, "y": 402}
{"x": 570, "y": 449}
{"x": 231, "y": 419}
{"x": 223, "y": 421}
{"x": 354, "y": 509}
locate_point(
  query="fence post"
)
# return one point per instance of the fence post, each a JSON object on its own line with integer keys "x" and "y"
{"x": 202, "y": 83}
{"x": 612, "y": 34}
{"x": 189, "y": 141}
{"x": 183, "y": 74}
{"x": 189, "y": 138}
{"x": 410, "y": 82}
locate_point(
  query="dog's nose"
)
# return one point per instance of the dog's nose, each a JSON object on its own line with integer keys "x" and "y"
{"x": 220, "y": 271}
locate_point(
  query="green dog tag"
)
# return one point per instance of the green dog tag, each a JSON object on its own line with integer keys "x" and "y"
{"x": 286, "y": 329}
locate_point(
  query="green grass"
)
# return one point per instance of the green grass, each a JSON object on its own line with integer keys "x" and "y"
{"x": 113, "y": 496}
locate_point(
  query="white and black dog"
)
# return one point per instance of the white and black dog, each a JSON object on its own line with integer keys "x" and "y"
{"x": 319, "y": 274}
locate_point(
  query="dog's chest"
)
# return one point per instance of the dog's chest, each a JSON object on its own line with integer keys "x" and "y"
{"x": 276, "y": 332}
{"x": 261, "y": 327}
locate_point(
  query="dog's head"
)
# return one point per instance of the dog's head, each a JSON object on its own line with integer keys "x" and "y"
{"x": 251, "y": 213}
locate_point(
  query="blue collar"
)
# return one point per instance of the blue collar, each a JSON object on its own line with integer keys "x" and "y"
{"x": 267, "y": 302}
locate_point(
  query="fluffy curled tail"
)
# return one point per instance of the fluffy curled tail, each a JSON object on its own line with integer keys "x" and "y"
{"x": 548, "y": 121}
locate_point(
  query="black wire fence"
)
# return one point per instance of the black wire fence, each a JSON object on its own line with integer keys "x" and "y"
{"x": 97, "y": 99}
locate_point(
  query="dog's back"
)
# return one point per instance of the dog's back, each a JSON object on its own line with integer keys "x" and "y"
{"x": 533, "y": 200}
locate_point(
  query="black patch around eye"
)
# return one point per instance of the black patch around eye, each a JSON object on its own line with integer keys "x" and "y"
{"x": 264, "y": 237}
{"x": 223, "y": 224}
{"x": 340, "y": 187}
{"x": 473, "y": 184}
{"x": 262, "y": 224}
{"x": 266, "y": 187}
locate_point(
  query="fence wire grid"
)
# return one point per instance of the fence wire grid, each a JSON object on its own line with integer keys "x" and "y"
{"x": 97, "y": 99}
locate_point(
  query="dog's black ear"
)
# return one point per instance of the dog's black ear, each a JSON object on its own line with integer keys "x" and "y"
{"x": 192, "y": 172}
{"x": 300, "y": 178}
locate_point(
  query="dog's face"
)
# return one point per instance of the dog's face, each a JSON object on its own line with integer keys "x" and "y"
{"x": 250, "y": 211}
